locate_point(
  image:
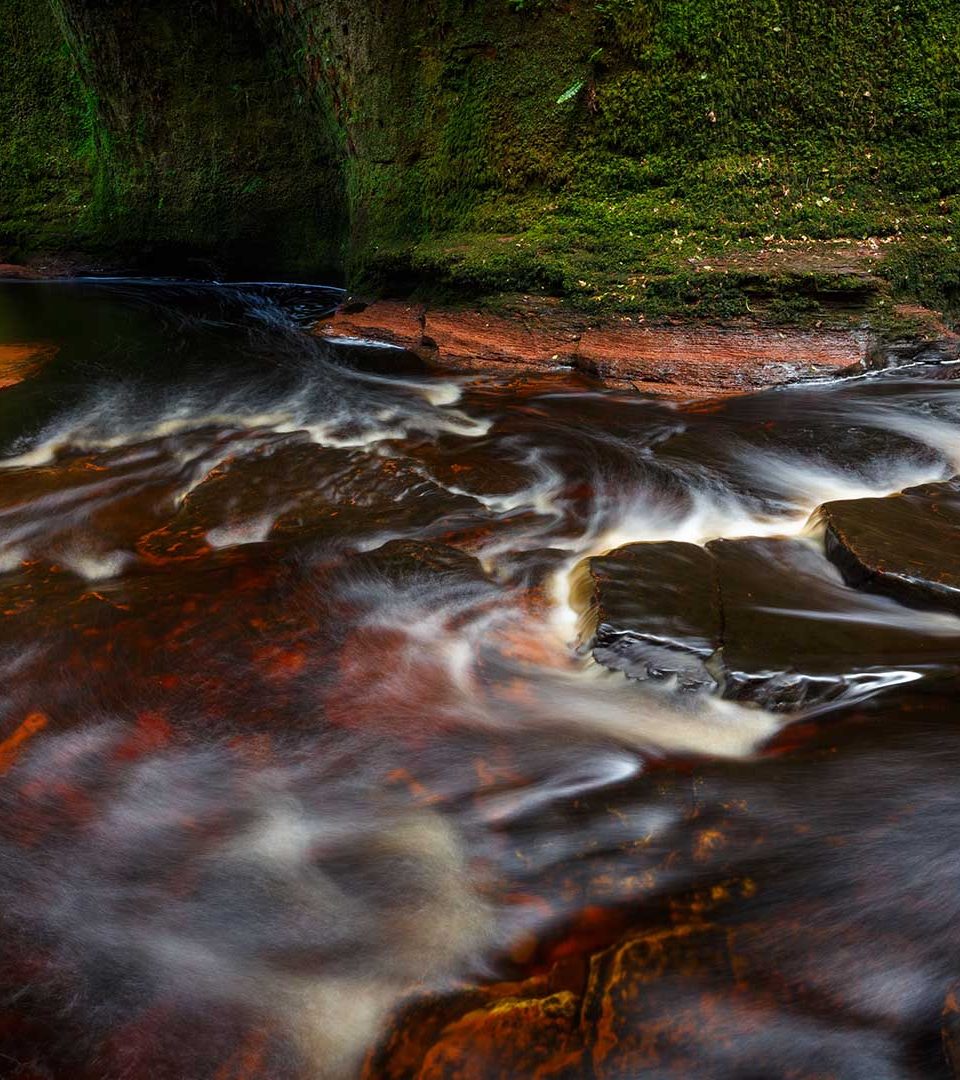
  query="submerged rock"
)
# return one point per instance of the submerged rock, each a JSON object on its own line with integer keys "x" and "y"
{"x": 296, "y": 489}
{"x": 906, "y": 546}
{"x": 405, "y": 562}
{"x": 767, "y": 620}
{"x": 20, "y": 361}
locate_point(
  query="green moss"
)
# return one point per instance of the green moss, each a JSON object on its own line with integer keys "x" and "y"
{"x": 713, "y": 145}
{"x": 705, "y": 128}
{"x": 45, "y": 182}
{"x": 172, "y": 133}
{"x": 927, "y": 270}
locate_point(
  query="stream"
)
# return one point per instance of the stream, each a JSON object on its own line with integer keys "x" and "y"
{"x": 336, "y": 690}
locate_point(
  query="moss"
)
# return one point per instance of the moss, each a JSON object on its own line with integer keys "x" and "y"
{"x": 182, "y": 140}
{"x": 705, "y": 128}
{"x": 716, "y": 150}
{"x": 927, "y": 270}
{"x": 45, "y": 181}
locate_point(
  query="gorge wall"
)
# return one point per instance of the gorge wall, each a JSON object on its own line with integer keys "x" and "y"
{"x": 793, "y": 157}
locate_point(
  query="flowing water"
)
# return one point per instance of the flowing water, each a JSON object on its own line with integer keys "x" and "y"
{"x": 298, "y": 722}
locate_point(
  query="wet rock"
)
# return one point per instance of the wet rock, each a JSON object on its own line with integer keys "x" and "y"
{"x": 531, "y": 569}
{"x": 402, "y": 562}
{"x": 673, "y": 1004}
{"x": 85, "y": 510}
{"x": 484, "y": 468}
{"x": 795, "y": 634}
{"x": 461, "y": 340}
{"x": 507, "y": 1030}
{"x": 906, "y": 546}
{"x": 20, "y": 361}
{"x": 362, "y": 494}
{"x": 295, "y": 489}
{"x": 516, "y": 1037}
{"x": 651, "y": 610}
{"x": 675, "y": 361}
{"x": 766, "y": 620}
{"x": 684, "y": 360}
{"x": 664, "y": 1003}
{"x": 378, "y": 357}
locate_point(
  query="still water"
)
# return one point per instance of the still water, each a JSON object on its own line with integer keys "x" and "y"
{"x": 309, "y": 719}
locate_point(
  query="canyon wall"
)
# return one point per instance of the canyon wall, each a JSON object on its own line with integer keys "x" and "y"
{"x": 651, "y": 156}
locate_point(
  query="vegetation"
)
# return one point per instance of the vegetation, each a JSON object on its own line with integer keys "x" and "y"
{"x": 152, "y": 134}
{"x": 716, "y": 157}
{"x": 44, "y": 178}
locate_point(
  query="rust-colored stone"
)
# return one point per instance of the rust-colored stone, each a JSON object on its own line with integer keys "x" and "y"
{"x": 687, "y": 360}
{"x": 18, "y": 361}
{"x": 10, "y": 747}
{"x": 676, "y": 360}
{"x": 515, "y": 1037}
{"x": 503, "y": 1030}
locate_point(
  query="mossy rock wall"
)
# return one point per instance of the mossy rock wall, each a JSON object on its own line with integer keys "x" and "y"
{"x": 590, "y": 147}
{"x": 610, "y": 151}
{"x": 45, "y": 183}
{"x": 181, "y": 138}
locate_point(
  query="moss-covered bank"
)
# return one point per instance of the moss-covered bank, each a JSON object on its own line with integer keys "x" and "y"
{"x": 658, "y": 156}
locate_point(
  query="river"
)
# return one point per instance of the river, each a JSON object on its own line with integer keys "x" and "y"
{"x": 313, "y": 713}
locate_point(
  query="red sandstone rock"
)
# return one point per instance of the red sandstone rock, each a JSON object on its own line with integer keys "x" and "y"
{"x": 718, "y": 359}
{"x": 14, "y": 270}
{"x": 678, "y": 361}
{"x": 21, "y": 360}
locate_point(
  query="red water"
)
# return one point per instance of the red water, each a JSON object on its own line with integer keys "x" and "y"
{"x": 295, "y": 721}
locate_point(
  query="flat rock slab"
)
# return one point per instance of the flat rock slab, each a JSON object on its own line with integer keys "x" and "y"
{"x": 795, "y": 633}
{"x": 768, "y": 620}
{"x": 906, "y": 546}
{"x": 679, "y": 361}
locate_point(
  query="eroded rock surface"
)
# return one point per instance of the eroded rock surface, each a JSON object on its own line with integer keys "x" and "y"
{"x": 294, "y": 488}
{"x": 675, "y": 361}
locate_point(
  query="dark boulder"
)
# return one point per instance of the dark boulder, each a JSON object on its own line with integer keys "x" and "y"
{"x": 766, "y": 620}
{"x": 906, "y": 546}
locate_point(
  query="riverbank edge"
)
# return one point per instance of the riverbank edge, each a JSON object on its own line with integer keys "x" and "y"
{"x": 672, "y": 357}
{"x": 679, "y": 356}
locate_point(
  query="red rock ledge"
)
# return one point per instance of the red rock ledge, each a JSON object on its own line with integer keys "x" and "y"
{"x": 18, "y": 361}
{"x": 677, "y": 361}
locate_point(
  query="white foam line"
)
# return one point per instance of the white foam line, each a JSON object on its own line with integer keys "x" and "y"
{"x": 368, "y": 343}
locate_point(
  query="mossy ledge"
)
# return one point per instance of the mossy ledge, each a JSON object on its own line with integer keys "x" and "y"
{"x": 782, "y": 161}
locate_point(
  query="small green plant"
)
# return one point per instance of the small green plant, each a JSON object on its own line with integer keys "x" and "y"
{"x": 578, "y": 84}
{"x": 571, "y": 91}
